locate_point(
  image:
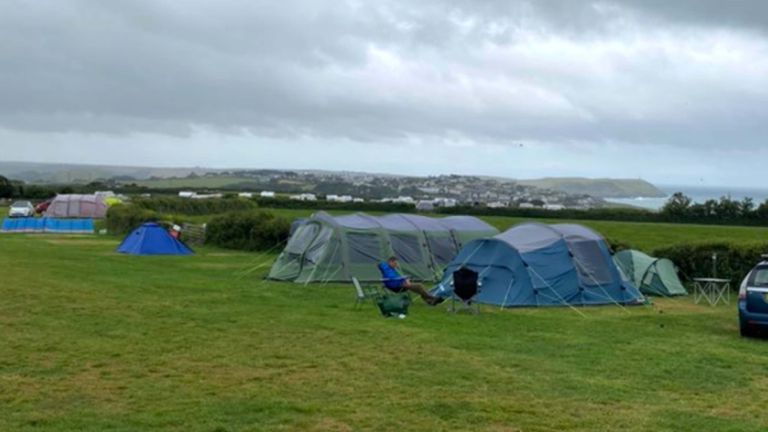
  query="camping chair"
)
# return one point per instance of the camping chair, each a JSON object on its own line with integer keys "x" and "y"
{"x": 466, "y": 286}
{"x": 402, "y": 291}
{"x": 390, "y": 304}
{"x": 365, "y": 293}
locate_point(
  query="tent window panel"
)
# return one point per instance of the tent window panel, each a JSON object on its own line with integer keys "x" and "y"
{"x": 302, "y": 238}
{"x": 74, "y": 208}
{"x": 335, "y": 253}
{"x": 443, "y": 249}
{"x": 87, "y": 209}
{"x": 590, "y": 262}
{"x": 320, "y": 245}
{"x": 58, "y": 208}
{"x": 364, "y": 248}
{"x": 407, "y": 248}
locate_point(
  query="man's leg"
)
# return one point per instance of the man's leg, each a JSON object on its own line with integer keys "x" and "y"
{"x": 419, "y": 289}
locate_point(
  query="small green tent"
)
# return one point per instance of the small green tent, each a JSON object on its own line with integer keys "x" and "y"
{"x": 327, "y": 248}
{"x": 654, "y": 276}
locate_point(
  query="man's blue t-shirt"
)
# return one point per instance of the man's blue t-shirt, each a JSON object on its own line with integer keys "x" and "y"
{"x": 392, "y": 278}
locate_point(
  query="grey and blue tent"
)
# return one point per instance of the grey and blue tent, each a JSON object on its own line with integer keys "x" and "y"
{"x": 337, "y": 248}
{"x": 534, "y": 264}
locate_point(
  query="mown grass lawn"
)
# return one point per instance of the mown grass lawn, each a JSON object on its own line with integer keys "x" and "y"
{"x": 94, "y": 341}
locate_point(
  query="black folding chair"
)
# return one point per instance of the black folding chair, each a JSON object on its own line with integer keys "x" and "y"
{"x": 466, "y": 286}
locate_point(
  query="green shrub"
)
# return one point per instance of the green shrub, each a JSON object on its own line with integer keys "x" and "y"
{"x": 734, "y": 261}
{"x": 253, "y": 230}
{"x": 122, "y": 219}
{"x": 194, "y": 207}
{"x": 617, "y": 245}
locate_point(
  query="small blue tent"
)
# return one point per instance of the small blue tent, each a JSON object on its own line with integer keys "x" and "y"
{"x": 152, "y": 239}
{"x": 541, "y": 265}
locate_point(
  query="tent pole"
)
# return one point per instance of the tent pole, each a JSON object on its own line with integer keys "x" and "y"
{"x": 506, "y": 296}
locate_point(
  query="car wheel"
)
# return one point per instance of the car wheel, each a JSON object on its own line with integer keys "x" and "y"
{"x": 745, "y": 330}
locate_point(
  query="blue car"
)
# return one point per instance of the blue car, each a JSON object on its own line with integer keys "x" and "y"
{"x": 753, "y": 301}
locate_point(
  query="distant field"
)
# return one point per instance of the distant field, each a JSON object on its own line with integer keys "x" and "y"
{"x": 198, "y": 182}
{"x": 95, "y": 341}
{"x": 644, "y": 236}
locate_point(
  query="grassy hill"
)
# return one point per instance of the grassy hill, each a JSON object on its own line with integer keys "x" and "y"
{"x": 83, "y": 173}
{"x": 95, "y": 341}
{"x": 602, "y": 188}
{"x": 192, "y": 182}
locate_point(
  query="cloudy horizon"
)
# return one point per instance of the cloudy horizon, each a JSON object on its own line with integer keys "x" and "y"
{"x": 671, "y": 93}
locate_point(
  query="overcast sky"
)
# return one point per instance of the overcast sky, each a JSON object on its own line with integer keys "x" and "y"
{"x": 670, "y": 91}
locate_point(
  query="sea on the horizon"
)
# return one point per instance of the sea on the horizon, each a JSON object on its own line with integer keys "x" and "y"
{"x": 699, "y": 194}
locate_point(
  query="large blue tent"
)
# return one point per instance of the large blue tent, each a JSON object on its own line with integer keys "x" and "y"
{"x": 543, "y": 265}
{"x": 152, "y": 239}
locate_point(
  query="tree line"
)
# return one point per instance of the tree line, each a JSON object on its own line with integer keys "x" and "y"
{"x": 681, "y": 208}
{"x": 11, "y": 189}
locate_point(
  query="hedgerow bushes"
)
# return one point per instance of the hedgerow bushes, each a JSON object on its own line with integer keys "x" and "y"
{"x": 239, "y": 227}
{"x": 122, "y": 219}
{"x": 251, "y": 231}
{"x": 194, "y": 207}
{"x": 734, "y": 261}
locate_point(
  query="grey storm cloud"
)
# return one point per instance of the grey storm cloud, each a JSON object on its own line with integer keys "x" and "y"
{"x": 676, "y": 73}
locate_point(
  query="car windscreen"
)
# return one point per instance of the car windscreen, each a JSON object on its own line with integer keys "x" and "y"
{"x": 20, "y": 204}
{"x": 759, "y": 277}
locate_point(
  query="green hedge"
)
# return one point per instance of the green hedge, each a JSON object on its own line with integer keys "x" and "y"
{"x": 251, "y": 231}
{"x": 122, "y": 219}
{"x": 194, "y": 207}
{"x": 734, "y": 261}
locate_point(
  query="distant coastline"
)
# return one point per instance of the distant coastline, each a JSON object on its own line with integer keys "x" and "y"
{"x": 699, "y": 194}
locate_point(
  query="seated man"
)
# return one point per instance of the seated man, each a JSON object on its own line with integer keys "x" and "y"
{"x": 398, "y": 283}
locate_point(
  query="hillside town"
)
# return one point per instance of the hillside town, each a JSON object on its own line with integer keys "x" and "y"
{"x": 426, "y": 193}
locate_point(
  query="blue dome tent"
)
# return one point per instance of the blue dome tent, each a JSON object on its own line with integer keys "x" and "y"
{"x": 152, "y": 239}
{"x": 534, "y": 265}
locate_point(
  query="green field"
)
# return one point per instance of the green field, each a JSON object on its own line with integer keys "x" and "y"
{"x": 193, "y": 182}
{"x": 96, "y": 341}
{"x": 644, "y": 236}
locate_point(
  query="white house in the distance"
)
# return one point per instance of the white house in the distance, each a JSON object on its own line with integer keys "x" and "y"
{"x": 554, "y": 207}
{"x": 425, "y": 205}
{"x": 304, "y": 197}
{"x": 187, "y": 194}
{"x": 245, "y": 195}
{"x": 207, "y": 196}
{"x": 445, "y": 202}
{"x": 339, "y": 198}
{"x": 267, "y": 194}
{"x": 496, "y": 204}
